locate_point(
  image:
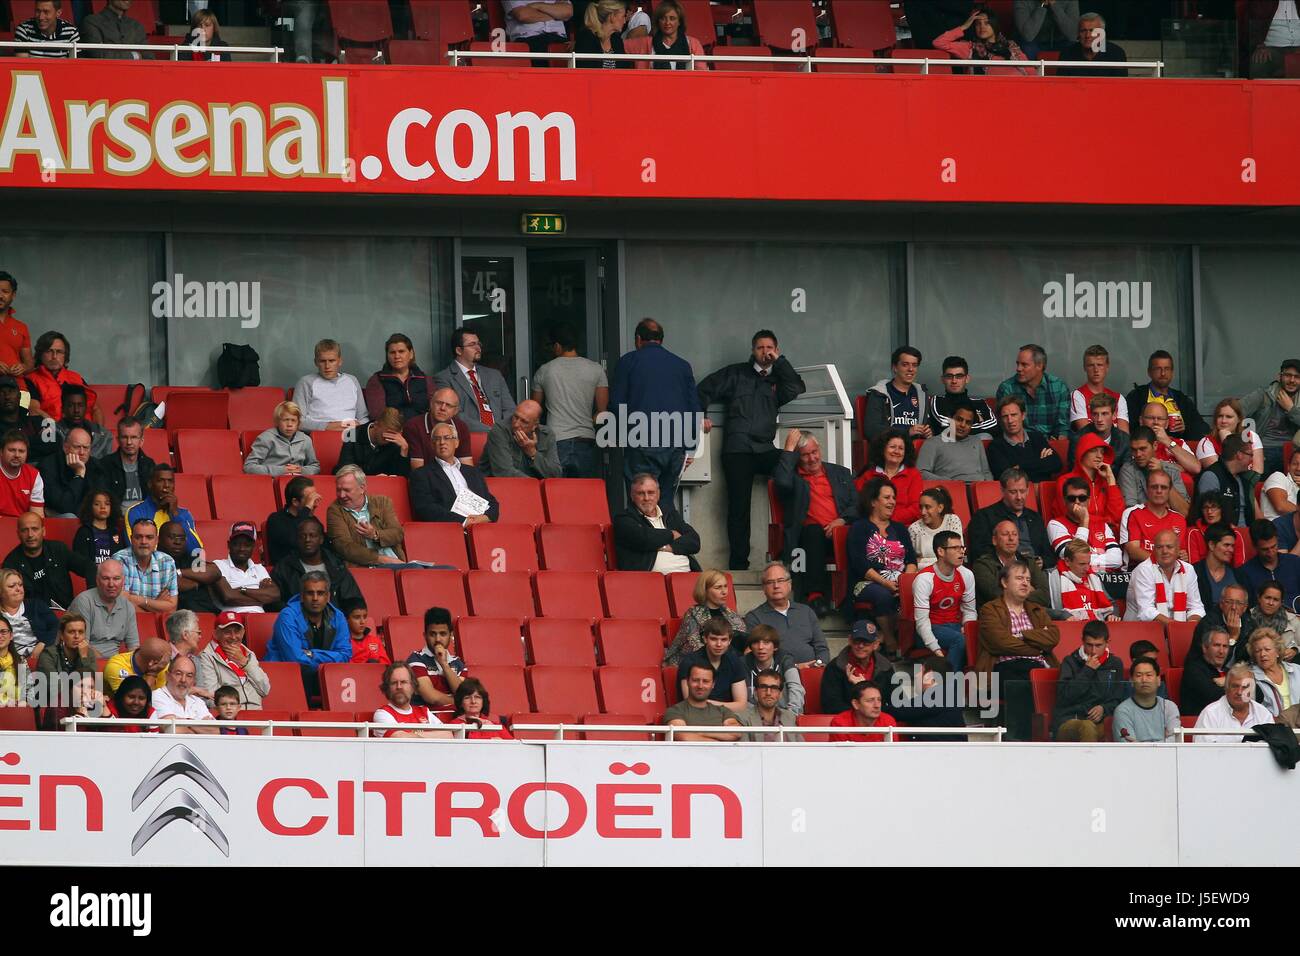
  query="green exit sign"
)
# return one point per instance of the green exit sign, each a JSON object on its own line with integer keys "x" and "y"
{"x": 542, "y": 224}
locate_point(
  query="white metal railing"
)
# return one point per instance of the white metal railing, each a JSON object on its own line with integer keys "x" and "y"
{"x": 77, "y": 46}
{"x": 806, "y": 63}
{"x": 668, "y": 732}
{"x": 828, "y": 408}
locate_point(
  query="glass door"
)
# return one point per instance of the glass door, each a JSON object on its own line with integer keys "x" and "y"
{"x": 563, "y": 290}
{"x": 493, "y": 303}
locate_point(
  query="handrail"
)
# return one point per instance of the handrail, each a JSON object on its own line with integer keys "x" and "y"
{"x": 669, "y": 731}
{"x": 76, "y": 45}
{"x": 806, "y": 62}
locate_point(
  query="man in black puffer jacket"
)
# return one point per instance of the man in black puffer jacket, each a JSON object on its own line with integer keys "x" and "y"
{"x": 753, "y": 392}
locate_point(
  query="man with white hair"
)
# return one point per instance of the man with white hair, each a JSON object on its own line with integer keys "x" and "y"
{"x": 109, "y": 613}
{"x": 1093, "y": 46}
{"x": 522, "y": 447}
{"x": 1163, "y": 588}
{"x": 816, "y": 498}
{"x": 363, "y": 529}
{"x": 651, "y": 537}
{"x": 1237, "y": 707}
{"x": 447, "y": 489}
{"x": 177, "y": 699}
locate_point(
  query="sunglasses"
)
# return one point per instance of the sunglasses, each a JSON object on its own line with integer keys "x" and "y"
{"x": 1074, "y": 499}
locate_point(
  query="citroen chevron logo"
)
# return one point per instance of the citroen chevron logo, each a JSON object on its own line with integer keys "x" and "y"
{"x": 179, "y": 761}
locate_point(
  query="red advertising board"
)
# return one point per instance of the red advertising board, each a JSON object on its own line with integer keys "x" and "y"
{"x": 648, "y": 134}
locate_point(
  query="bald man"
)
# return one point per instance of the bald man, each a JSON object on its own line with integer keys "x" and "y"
{"x": 149, "y": 661}
{"x": 444, "y": 406}
{"x": 522, "y": 447}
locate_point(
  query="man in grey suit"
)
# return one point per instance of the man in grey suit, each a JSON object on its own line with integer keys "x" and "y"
{"x": 485, "y": 397}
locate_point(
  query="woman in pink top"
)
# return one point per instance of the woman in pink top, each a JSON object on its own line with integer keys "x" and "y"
{"x": 980, "y": 39}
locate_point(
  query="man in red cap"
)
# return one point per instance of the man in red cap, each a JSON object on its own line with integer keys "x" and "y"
{"x": 227, "y": 662}
{"x": 244, "y": 585}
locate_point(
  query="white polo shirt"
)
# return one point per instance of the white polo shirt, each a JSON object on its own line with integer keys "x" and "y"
{"x": 165, "y": 705}
{"x": 251, "y": 578}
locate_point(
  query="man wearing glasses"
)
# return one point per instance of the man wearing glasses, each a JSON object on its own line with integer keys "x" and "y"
{"x": 1229, "y": 616}
{"x": 795, "y": 623}
{"x": 944, "y": 599}
{"x": 956, "y": 376}
{"x": 765, "y": 710}
{"x": 446, "y": 490}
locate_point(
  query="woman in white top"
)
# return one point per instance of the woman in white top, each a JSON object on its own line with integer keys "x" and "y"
{"x": 1228, "y": 418}
{"x": 936, "y": 516}
{"x": 1281, "y": 489}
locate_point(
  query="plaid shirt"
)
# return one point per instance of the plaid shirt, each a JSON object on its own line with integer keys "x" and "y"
{"x": 1048, "y": 409}
{"x": 160, "y": 577}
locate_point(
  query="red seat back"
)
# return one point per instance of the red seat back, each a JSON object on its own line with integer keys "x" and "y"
{"x": 569, "y": 594}
{"x": 758, "y": 59}
{"x": 63, "y": 530}
{"x": 520, "y": 500}
{"x": 505, "y": 594}
{"x": 576, "y": 501}
{"x": 324, "y": 716}
{"x": 253, "y": 407}
{"x": 276, "y": 715}
{"x": 361, "y": 21}
{"x": 636, "y": 594}
{"x": 243, "y": 497}
{"x": 572, "y": 547}
{"x": 197, "y": 409}
{"x": 18, "y": 718}
{"x": 919, "y": 55}
{"x": 533, "y": 718}
{"x": 1124, "y": 634}
{"x": 1174, "y": 684}
{"x": 394, "y": 488}
{"x": 193, "y": 494}
{"x": 623, "y": 720}
{"x": 1179, "y": 638}
{"x": 561, "y": 642}
{"x": 1042, "y": 684}
{"x": 632, "y": 690}
{"x": 495, "y": 641}
{"x": 700, "y": 22}
{"x": 630, "y": 643}
{"x": 826, "y": 57}
{"x": 786, "y": 24}
{"x": 108, "y": 398}
{"x": 811, "y": 677}
{"x": 329, "y": 446}
{"x": 287, "y": 692}
{"x": 439, "y": 20}
{"x": 571, "y": 688}
{"x": 503, "y": 547}
{"x": 506, "y": 688}
{"x": 869, "y": 26}
{"x": 424, "y": 588}
{"x": 355, "y": 686}
{"x": 405, "y": 636}
{"x": 379, "y": 586}
{"x": 441, "y": 542}
{"x": 209, "y": 450}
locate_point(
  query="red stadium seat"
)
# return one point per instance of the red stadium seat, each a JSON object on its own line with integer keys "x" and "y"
{"x": 504, "y": 594}
{"x": 287, "y": 692}
{"x": 532, "y": 718}
{"x": 109, "y": 398}
{"x": 576, "y": 501}
{"x": 424, "y": 588}
{"x": 1042, "y": 684}
{"x": 495, "y": 641}
{"x": 786, "y": 24}
{"x": 815, "y": 720}
{"x": 1179, "y": 639}
{"x": 972, "y": 631}
{"x": 812, "y": 688}
{"x": 417, "y": 53}
{"x": 758, "y": 58}
{"x": 18, "y": 718}
{"x": 157, "y": 446}
{"x": 215, "y": 536}
{"x": 826, "y": 57}
{"x": 898, "y": 54}
{"x": 194, "y": 495}
{"x": 572, "y": 547}
{"x": 258, "y": 629}
{"x": 63, "y": 530}
{"x": 253, "y": 407}
{"x": 329, "y": 446}
{"x": 571, "y": 688}
{"x": 1071, "y": 638}
{"x": 672, "y": 686}
{"x": 636, "y": 594}
{"x": 212, "y": 451}
{"x": 405, "y": 636}
{"x": 631, "y": 690}
{"x": 505, "y": 687}
{"x": 394, "y": 488}
{"x": 629, "y": 643}
{"x": 624, "y": 720}
{"x": 380, "y": 589}
{"x": 1062, "y": 448}
{"x": 262, "y": 714}
{"x": 147, "y": 624}
{"x": 868, "y": 26}
{"x": 1123, "y": 634}
{"x": 355, "y": 686}
{"x": 198, "y": 409}
{"x": 561, "y": 642}
{"x": 700, "y": 22}
{"x": 503, "y": 547}
{"x": 570, "y": 594}
{"x": 1174, "y": 684}
{"x": 246, "y": 438}
{"x": 1050, "y": 504}
{"x": 440, "y": 542}
{"x": 361, "y": 21}
{"x": 243, "y": 497}
{"x": 681, "y": 591}
{"x": 520, "y": 500}
{"x": 324, "y": 716}
{"x": 478, "y": 440}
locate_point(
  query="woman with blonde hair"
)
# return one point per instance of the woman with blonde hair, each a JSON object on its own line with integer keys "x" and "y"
{"x": 1276, "y": 679}
{"x": 1229, "y": 419}
{"x": 711, "y": 589}
{"x": 13, "y": 669}
{"x": 30, "y": 619}
{"x": 283, "y": 450}
{"x": 602, "y": 32}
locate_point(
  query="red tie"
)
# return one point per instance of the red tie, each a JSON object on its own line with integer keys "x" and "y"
{"x": 484, "y": 410}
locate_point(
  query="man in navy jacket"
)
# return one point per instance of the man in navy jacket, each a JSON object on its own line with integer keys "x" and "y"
{"x": 647, "y": 383}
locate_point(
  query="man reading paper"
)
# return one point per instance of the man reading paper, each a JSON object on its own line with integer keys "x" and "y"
{"x": 446, "y": 490}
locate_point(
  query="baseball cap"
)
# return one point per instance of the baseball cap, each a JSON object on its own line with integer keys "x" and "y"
{"x": 8, "y": 381}
{"x": 230, "y": 618}
{"x": 246, "y": 528}
{"x": 864, "y": 631}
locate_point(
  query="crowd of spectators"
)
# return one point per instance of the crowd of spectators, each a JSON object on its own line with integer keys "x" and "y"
{"x": 1096, "y": 519}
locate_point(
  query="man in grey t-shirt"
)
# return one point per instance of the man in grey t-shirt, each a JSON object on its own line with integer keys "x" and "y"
{"x": 573, "y": 390}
